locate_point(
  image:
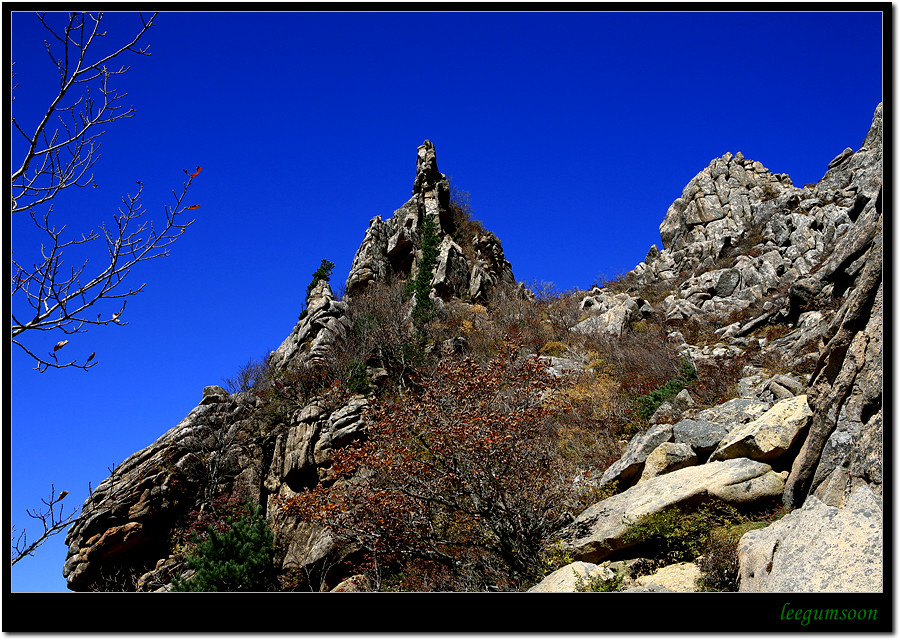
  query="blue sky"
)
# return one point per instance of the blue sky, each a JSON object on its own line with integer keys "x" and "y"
{"x": 573, "y": 133}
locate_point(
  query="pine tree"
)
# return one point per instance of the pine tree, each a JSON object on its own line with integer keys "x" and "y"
{"x": 421, "y": 284}
{"x": 322, "y": 273}
{"x": 237, "y": 559}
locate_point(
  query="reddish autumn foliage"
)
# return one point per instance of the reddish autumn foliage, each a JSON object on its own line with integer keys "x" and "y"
{"x": 462, "y": 481}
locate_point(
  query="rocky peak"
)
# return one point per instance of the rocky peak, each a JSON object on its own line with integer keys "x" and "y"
{"x": 739, "y": 232}
{"x": 467, "y": 268}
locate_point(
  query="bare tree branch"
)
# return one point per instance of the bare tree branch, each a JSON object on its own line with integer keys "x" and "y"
{"x": 53, "y": 519}
{"x": 46, "y": 295}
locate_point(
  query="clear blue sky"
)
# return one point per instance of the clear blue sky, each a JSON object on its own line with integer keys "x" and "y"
{"x": 573, "y": 132}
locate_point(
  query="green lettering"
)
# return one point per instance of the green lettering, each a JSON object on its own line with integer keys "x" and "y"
{"x": 782, "y": 611}
{"x": 806, "y": 616}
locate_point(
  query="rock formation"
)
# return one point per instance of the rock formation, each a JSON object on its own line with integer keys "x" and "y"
{"x": 393, "y": 247}
{"x": 756, "y": 263}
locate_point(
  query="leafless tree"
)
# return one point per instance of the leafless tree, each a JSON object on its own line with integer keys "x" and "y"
{"x": 59, "y": 154}
{"x": 53, "y": 518}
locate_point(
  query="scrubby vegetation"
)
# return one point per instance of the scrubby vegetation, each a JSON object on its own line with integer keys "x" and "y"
{"x": 464, "y": 227}
{"x": 463, "y": 480}
{"x": 687, "y": 376}
{"x": 600, "y": 584}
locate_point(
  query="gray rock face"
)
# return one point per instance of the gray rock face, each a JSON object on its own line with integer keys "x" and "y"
{"x": 317, "y": 333}
{"x": 715, "y": 207}
{"x": 127, "y": 515}
{"x": 701, "y": 436}
{"x": 818, "y": 549}
{"x": 845, "y": 389}
{"x": 393, "y": 247}
{"x": 219, "y": 448}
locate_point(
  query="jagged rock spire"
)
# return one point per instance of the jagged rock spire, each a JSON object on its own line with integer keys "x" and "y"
{"x": 427, "y": 174}
{"x": 392, "y": 247}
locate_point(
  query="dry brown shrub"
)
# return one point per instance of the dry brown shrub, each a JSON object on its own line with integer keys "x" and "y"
{"x": 590, "y": 431}
{"x": 464, "y": 474}
{"x": 641, "y": 360}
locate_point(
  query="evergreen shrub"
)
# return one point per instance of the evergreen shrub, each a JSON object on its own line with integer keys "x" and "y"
{"x": 236, "y": 559}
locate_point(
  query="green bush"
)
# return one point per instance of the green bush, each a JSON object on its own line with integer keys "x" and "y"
{"x": 599, "y": 584}
{"x": 673, "y": 535}
{"x": 236, "y": 559}
{"x": 649, "y": 403}
{"x": 719, "y": 565}
{"x": 358, "y": 380}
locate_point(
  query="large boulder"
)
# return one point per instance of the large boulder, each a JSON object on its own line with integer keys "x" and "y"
{"x": 681, "y": 577}
{"x": 627, "y": 470}
{"x": 601, "y": 528}
{"x": 818, "y": 548}
{"x": 769, "y": 436}
{"x": 568, "y": 578}
{"x": 666, "y": 458}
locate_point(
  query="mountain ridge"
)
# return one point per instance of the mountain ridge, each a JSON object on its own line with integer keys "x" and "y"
{"x": 745, "y": 253}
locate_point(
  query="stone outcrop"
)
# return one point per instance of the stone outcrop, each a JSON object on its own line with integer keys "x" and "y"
{"x": 392, "y": 248}
{"x": 125, "y": 522}
{"x": 317, "y": 333}
{"x": 818, "y": 548}
{"x": 610, "y": 313}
